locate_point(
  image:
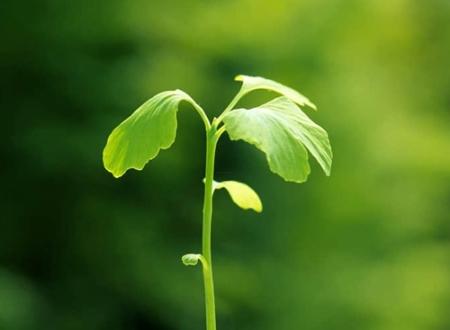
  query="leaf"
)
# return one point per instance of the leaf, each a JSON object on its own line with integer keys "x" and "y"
{"x": 282, "y": 131}
{"x": 241, "y": 194}
{"x": 253, "y": 83}
{"x": 191, "y": 259}
{"x": 142, "y": 135}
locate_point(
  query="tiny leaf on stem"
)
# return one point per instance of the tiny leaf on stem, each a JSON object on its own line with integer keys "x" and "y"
{"x": 282, "y": 130}
{"x": 241, "y": 194}
{"x": 191, "y": 259}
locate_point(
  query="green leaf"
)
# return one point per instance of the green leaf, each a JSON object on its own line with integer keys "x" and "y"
{"x": 141, "y": 136}
{"x": 253, "y": 83}
{"x": 191, "y": 259}
{"x": 282, "y": 131}
{"x": 241, "y": 194}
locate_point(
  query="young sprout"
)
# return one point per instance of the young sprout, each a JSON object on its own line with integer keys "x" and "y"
{"x": 279, "y": 128}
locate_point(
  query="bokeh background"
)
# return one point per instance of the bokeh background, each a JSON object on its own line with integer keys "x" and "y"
{"x": 367, "y": 248}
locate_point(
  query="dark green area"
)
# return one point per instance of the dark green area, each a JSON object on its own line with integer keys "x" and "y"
{"x": 366, "y": 249}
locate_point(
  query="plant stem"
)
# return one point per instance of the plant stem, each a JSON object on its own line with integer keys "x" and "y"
{"x": 211, "y": 143}
{"x": 230, "y": 106}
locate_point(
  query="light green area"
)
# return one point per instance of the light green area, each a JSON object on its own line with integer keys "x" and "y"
{"x": 254, "y": 83}
{"x": 191, "y": 259}
{"x": 241, "y": 194}
{"x": 141, "y": 136}
{"x": 282, "y": 131}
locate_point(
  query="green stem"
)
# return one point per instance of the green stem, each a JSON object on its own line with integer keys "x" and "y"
{"x": 211, "y": 143}
{"x": 203, "y": 115}
{"x": 230, "y": 106}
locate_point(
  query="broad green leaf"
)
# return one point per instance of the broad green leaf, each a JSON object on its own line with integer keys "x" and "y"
{"x": 282, "y": 130}
{"x": 241, "y": 194}
{"x": 191, "y": 259}
{"x": 141, "y": 136}
{"x": 253, "y": 83}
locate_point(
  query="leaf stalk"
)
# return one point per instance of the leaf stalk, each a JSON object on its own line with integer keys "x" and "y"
{"x": 230, "y": 106}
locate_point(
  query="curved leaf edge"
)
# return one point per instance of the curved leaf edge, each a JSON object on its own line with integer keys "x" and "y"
{"x": 255, "y": 201}
{"x": 269, "y": 162}
{"x": 326, "y": 168}
{"x": 186, "y": 98}
{"x": 305, "y": 101}
{"x": 139, "y": 168}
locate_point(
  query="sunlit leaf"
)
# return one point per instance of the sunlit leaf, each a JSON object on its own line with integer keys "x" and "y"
{"x": 191, "y": 259}
{"x": 141, "y": 136}
{"x": 282, "y": 131}
{"x": 253, "y": 83}
{"x": 241, "y": 194}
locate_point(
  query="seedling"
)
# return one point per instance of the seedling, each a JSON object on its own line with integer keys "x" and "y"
{"x": 279, "y": 128}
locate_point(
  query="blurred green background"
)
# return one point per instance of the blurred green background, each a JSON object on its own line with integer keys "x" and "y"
{"x": 367, "y": 248}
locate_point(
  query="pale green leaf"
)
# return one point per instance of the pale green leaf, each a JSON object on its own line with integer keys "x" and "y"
{"x": 191, "y": 259}
{"x": 282, "y": 130}
{"x": 253, "y": 83}
{"x": 141, "y": 136}
{"x": 241, "y": 194}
